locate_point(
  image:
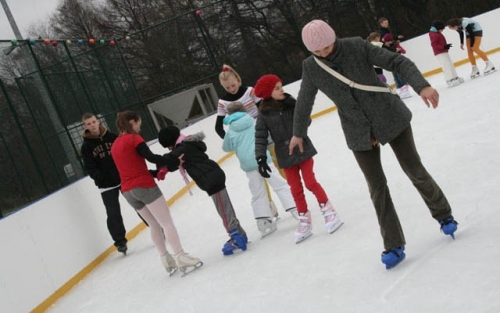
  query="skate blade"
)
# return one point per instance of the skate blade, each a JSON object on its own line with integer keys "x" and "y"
{"x": 268, "y": 233}
{"x": 172, "y": 272}
{"x": 335, "y": 227}
{"x": 490, "y": 72}
{"x": 299, "y": 240}
{"x": 194, "y": 268}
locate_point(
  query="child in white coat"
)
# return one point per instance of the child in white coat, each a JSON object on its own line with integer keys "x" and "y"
{"x": 240, "y": 138}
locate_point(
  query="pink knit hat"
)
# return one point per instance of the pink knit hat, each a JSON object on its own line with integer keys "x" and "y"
{"x": 317, "y": 34}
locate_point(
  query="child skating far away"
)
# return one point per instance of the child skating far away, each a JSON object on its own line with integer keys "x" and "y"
{"x": 188, "y": 155}
{"x": 276, "y": 119}
{"x": 393, "y": 45}
{"x": 473, "y": 33}
{"x": 374, "y": 39}
{"x": 130, "y": 152}
{"x": 240, "y": 137}
{"x": 440, "y": 48}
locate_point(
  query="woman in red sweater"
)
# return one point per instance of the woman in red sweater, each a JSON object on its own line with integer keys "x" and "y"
{"x": 130, "y": 153}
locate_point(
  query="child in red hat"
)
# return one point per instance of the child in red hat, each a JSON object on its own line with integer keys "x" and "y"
{"x": 276, "y": 120}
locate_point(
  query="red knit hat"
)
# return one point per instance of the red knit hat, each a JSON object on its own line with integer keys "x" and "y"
{"x": 265, "y": 86}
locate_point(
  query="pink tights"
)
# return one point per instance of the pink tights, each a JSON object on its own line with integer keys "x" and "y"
{"x": 161, "y": 226}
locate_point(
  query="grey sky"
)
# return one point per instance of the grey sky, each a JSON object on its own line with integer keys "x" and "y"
{"x": 25, "y": 12}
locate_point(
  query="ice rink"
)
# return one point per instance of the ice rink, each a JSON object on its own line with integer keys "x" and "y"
{"x": 459, "y": 144}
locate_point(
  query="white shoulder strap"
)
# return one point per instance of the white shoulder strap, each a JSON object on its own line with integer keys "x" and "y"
{"x": 352, "y": 84}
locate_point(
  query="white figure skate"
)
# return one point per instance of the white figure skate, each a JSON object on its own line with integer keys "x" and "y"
{"x": 169, "y": 263}
{"x": 185, "y": 262}
{"x": 266, "y": 226}
{"x": 332, "y": 219}
{"x": 304, "y": 230}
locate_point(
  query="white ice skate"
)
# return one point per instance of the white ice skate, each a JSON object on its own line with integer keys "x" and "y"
{"x": 404, "y": 92}
{"x": 184, "y": 262}
{"x": 332, "y": 219}
{"x": 475, "y": 72}
{"x": 169, "y": 263}
{"x": 304, "y": 230}
{"x": 266, "y": 226}
{"x": 490, "y": 68}
{"x": 454, "y": 82}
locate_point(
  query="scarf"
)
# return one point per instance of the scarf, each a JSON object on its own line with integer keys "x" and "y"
{"x": 182, "y": 170}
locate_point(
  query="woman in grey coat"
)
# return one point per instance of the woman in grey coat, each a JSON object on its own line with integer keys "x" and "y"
{"x": 370, "y": 118}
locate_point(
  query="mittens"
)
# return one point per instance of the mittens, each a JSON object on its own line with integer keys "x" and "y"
{"x": 263, "y": 167}
{"x": 447, "y": 46}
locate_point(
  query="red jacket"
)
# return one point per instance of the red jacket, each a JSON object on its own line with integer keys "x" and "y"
{"x": 437, "y": 42}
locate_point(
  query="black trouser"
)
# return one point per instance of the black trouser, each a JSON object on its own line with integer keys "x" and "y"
{"x": 115, "y": 220}
{"x": 409, "y": 160}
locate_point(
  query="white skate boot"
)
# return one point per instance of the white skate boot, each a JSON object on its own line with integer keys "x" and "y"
{"x": 490, "y": 68}
{"x": 404, "y": 92}
{"x": 169, "y": 263}
{"x": 266, "y": 226}
{"x": 454, "y": 82}
{"x": 184, "y": 261}
{"x": 305, "y": 227}
{"x": 475, "y": 72}
{"x": 332, "y": 219}
{"x": 294, "y": 212}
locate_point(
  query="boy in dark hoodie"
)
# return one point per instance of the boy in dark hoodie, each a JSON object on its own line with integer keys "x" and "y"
{"x": 207, "y": 175}
{"x": 96, "y": 156}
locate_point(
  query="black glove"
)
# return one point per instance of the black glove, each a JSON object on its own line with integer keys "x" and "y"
{"x": 447, "y": 47}
{"x": 263, "y": 167}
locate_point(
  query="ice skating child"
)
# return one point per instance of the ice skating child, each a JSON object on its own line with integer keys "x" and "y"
{"x": 207, "y": 174}
{"x": 276, "y": 119}
{"x": 240, "y": 137}
{"x": 393, "y": 45}
{"x": 472, "y": 30}
{"x": 129, "y": 151}
{"x": 230, "y": 80}
{"x": 440, "y": 48}
{"x": 374, "y": 39}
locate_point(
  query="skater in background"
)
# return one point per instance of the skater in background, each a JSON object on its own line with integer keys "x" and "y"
{"x": 374, "y": 39}
{"x": 240, "y": 137}
{"x": 188, "y": 155}
{"x": 385, "y": 29}
{"x": 440, "y": 48}
{"x": 230, "y": 80}
{"x": 370, "y": 118}
{"x": 393, "y": 45}
{"x": 96, "y": 156}
{"x": 276, "y": 121}
{"x": 130, "y": 153}
{"x": 473, "y": 33}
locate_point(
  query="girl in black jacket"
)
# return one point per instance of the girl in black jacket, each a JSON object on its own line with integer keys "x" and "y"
{"x": 276, "y": 120}
{"x": 207, "y": 174}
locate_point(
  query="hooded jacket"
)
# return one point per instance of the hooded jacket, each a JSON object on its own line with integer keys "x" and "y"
{"x": 96, "y": 155}
{"x": 276, "y": 120}
{"x": 205, "y": 172}
{"x": 240, "y": 137}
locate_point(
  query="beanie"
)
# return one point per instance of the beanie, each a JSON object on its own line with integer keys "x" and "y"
{"x": 265, "y": 86}
{"x": 387, "y": 37}
{"x": 438, "y": 25}
{"x": 168, "y": 136}
{"x": 317, "y": 35}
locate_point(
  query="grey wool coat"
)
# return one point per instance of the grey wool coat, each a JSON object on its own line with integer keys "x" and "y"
{"x": 276, "y": 120}
{"x": 364, "y": 115}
